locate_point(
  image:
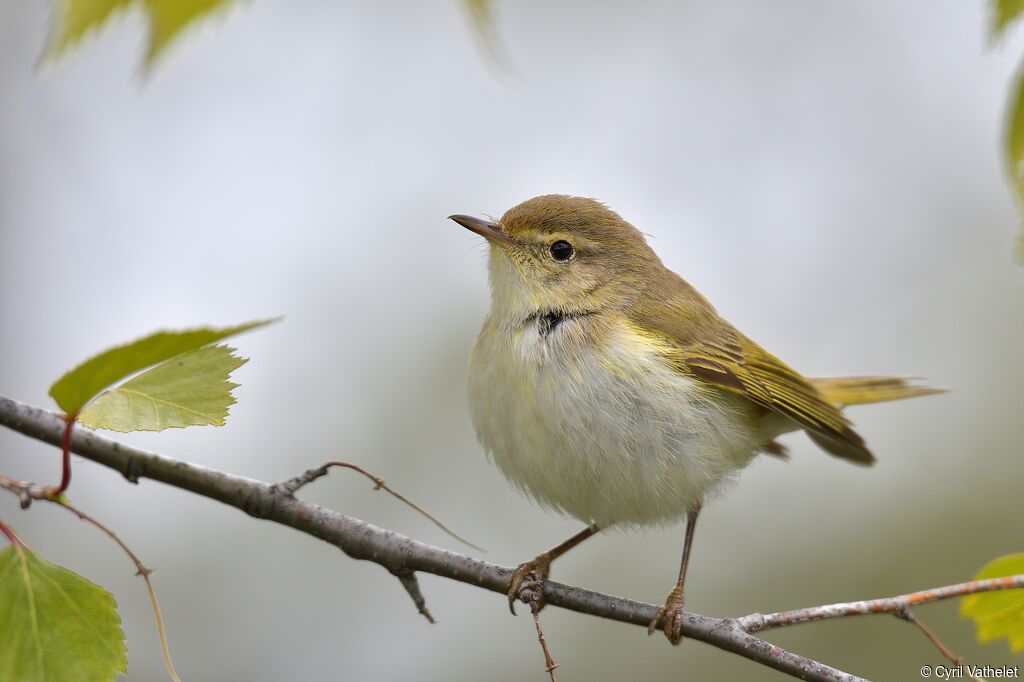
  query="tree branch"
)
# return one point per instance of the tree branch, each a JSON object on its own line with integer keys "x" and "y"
{"x": 401, "y": 555}
{"x": 899, "y": 605}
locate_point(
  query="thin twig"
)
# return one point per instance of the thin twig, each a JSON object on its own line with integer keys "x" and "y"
{"x": 909, "y": 616}
{"x": 291, "y": 486}
{"x": 141, "y": 571}
{"x": 25, "y": 490}
{"x": 412, "y": 586}
{"x": 30, "y": 491}
{"x": 756, "y": 622}
{"x": 549, "y": 663}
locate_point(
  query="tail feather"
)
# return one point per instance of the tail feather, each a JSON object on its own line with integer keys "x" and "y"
{"x": 843, "y": 391}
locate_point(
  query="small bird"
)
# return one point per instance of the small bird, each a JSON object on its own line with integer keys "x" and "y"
{"x": 606, "y": 387}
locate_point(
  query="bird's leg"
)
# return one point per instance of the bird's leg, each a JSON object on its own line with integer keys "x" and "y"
{"x": 527, "y": 582}
{"x": 670, "y": 616}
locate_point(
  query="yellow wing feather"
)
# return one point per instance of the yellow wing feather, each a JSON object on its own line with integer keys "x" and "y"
{"x": 843, "y": 391}
{"x": 701, "y": 343}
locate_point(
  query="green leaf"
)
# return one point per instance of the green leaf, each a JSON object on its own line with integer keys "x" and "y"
{"x": 83, "y": 383}
{"x": 998, "y": 614}
{"x": 72, "y": 19}
{"x": 54, "y": 624}
{"x": 187, "y": 390}
{"x": 167, "y": 18}
{"x": 1015, "y": 149}
{"x": 1004, "y": 12}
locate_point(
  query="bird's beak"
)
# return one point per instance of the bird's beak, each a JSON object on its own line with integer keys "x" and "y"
{"x": 485, "y": 228}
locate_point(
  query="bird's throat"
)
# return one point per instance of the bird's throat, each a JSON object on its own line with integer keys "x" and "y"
{"x": 549, "y": 321}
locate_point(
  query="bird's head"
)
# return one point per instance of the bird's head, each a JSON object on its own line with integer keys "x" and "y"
{"x": 557, "y": 253}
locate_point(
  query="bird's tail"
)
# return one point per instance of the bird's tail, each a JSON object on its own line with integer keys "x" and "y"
{"x": 843, "y": 391}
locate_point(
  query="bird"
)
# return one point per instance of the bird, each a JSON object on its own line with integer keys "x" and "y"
{"x": 605, "y": 387}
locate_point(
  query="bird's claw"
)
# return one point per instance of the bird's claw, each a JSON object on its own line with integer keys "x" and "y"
{"x": 527, "y": 584}
{"x": 670, "y": 616}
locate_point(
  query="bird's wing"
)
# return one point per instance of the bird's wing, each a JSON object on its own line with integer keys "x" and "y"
{"x": 701, "y": 343}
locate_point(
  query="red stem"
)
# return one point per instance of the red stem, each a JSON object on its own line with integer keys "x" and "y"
{"x": 65, "y": 446}
{"x": 9, "y": 534}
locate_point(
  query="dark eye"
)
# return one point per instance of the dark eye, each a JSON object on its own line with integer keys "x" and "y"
{"x": 561, "y": 250}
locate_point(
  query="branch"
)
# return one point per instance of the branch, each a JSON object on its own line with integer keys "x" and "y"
{"x": 898, "y": 605}
{"x": 399, "y": 554}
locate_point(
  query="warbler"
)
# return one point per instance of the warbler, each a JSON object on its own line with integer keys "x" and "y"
{"x": 606, "y": 387}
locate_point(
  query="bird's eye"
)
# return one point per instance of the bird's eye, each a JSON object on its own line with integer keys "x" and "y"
{"x": 561, "y": 250}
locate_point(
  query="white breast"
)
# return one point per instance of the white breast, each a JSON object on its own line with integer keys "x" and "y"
{"x": 614, "y": 436}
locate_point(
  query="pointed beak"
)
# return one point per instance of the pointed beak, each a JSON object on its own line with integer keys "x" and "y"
{"x": 485, "y": 228}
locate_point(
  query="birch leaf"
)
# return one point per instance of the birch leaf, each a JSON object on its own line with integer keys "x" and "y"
{"x": 191, "y": 389}
{"x": 81, "y": 384}
{"x": 998, "y": 614}
{"x": 54, "y": 624}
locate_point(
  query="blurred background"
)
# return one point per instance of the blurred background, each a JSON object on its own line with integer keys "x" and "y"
{"x": 829, "y": 174}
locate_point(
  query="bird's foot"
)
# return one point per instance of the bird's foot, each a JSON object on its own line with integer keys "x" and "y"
{"x": 670, "y": 616}
{"x": 527, "y": 583}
